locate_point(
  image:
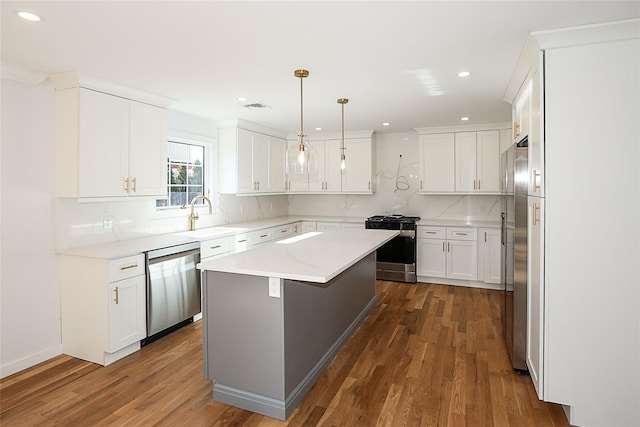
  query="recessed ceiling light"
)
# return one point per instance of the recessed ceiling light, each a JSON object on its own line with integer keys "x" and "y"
{"x": 242, "y": 99}
{"x": 464, "y": 119}
{"x": 318, "y": 128}
{"x": 385, "y": 124}
{"x": 464, "y": 74}
{"x": 29, "y": 16}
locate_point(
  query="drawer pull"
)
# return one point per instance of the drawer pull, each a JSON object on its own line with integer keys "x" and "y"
{"x": 431, "y": 232}
{"x": 116, "y": 298}
{"x": 284, "y": 231}
{"x": 461, "y": 234}
{"x": 215, "y": 247}
{"x": 264, "y": 235}
{"x": 242, "y": 241}
{"x": 127, "y": 267}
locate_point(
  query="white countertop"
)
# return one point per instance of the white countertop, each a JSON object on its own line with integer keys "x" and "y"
{"x": 317, "y": 258}
{"x": 458, "y": 222}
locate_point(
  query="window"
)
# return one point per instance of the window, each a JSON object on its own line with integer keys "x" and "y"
{"x": 185, "y": 174}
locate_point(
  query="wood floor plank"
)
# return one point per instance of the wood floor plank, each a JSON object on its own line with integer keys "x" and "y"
{"x": 426, "y": 355}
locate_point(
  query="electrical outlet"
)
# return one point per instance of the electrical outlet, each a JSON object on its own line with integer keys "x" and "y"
{"x": 107, "y": 222}
{"x": 482, "y": 208}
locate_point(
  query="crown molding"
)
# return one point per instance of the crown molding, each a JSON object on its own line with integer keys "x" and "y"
{"x": 23, "y": 75}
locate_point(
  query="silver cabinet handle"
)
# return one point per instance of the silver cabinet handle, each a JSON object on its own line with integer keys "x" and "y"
{"x": 461, "y": 234}
{"x": 116, "y": 298}
{"x": 127, "y": 267}
{"x": 536, "y": 208}
{"x": 134, "y": 184}
{"x": 126, "y": 185}
{"x": 215, "y": 247}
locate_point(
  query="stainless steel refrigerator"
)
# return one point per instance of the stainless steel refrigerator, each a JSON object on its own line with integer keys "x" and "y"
{"x": 514, "y": 175}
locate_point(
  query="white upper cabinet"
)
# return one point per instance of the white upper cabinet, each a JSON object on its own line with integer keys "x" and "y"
{"x": 437, "y": 163}
{"x": 250, "y": 162}
{"x": 488, "y": 161}
{"x": 460, "y": 162}
{"x": 521, "y": 113}
{"x": 358, "y": 174}
{"x": 356, "y": 178}
{"x": 109, "y": 146}
{"x": 536, "y": 144}
{"x": 465, "y": 143}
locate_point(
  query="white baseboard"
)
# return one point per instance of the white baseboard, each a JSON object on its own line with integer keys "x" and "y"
{"x": 29, "y": 361}
{"x": 455, "y": 282}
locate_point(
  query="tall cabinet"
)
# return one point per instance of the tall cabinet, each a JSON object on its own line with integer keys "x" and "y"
{"x": 580, "y": 107}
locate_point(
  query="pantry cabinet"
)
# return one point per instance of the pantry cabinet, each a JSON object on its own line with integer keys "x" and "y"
{"x": 103, "y": 307}
{"x": 535, "y": 291}
{"x": 250, "y": 162}
{"x": 109, "y": 146}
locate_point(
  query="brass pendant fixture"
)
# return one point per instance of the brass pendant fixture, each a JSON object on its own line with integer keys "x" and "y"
{"x": 343, "y": 157}
{"x": 301, "y": 158}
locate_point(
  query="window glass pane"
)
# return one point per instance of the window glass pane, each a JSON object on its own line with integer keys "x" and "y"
{"x": 185, "y": 174}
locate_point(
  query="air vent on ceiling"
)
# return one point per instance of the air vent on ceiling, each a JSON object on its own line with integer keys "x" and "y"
{"x": 256, "y": 106}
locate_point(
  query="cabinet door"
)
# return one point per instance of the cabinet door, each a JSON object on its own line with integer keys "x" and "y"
{"x": 276, "y": 166}
{"x": 437, "y": 163}
{"x": 462, "y": 259}
{"x": 488, "y": 161}
{"x": 522, "y": 113}
{"x": 317, "y": 180}
{"x": 535, "y": 291}
{"x": 103, "y": 158}
{"x": 147, "y": 150}
{"x": 465, "y": 143}
{"x": 357, "y": 175}
{"x": 536, "y": 142}
{"x": 307, "y": 226}
{"x": 490, "y": 255}
{"x": 245, "y": 161}
{"x": 431, "y": 258}
{"x": 127, "y": 312}
{"x": 332, "y": 171}
{"x": 260, "y": 162}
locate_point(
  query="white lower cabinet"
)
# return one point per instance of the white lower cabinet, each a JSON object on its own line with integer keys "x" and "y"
{"x": 327, "y": 226}
{"x": 447, "y": 252}
{"x": 103, "y": 307}
{"x": 489, "y": 255}
{"x": 308, "y": 226}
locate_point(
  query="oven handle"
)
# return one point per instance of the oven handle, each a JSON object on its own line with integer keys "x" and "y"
{"x": 408, "y": 233}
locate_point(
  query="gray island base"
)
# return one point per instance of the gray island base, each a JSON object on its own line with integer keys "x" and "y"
{"x": 267, "y": 340}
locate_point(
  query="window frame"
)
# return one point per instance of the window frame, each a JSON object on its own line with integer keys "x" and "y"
{"x": 209, "y": 172}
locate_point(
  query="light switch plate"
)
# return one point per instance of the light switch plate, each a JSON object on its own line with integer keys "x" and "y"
{"x": 274, "y": 287}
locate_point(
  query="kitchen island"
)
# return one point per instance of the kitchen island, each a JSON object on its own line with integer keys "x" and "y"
{"x": 274, "y": 317}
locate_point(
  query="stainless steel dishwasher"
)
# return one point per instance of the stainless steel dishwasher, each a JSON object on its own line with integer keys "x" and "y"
{"x": 173, "y": 289}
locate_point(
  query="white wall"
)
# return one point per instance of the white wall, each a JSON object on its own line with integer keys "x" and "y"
{"x": 388, "y": 200}
{"x": 30, "y": 302}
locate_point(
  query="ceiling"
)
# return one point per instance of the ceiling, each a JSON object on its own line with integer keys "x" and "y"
{"x": 396, "y": 61}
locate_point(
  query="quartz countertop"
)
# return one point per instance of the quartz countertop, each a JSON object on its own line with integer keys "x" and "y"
{"x": 138, "y": 245}
{"x": 458, "y": 222}
{"x": 311, "y": 257}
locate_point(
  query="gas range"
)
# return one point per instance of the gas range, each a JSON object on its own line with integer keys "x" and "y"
{"x": 392, "y": 222}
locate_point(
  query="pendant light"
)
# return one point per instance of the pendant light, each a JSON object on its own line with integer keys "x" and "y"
{"x": 343, "y": 158}
{"x": 301, "y": 157}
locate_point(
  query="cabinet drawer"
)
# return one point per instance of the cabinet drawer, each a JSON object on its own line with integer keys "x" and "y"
{"x": 261, "y": 236}
{"x": 462, "y": 233}
{"x": 429, "y": 232}
{"x": 284, "y": 231}
{"x": 123, "y": 268}
{"x": 240, "y": 242}
{"x": 214, "y": 247}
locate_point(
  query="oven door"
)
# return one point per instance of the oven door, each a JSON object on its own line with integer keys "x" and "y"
{"x": 396, "y": 260}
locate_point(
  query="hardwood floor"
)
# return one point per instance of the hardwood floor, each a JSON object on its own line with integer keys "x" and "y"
{"x": 427, "y": 355}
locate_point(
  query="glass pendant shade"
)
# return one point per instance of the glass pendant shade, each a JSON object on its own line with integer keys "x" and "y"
{"x": 301, "y": 157}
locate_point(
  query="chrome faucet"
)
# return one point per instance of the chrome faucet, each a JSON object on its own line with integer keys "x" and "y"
{"x": 194, "y": 215}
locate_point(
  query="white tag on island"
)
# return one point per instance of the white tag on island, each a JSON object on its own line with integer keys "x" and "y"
{"x": 274, "y": 287}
